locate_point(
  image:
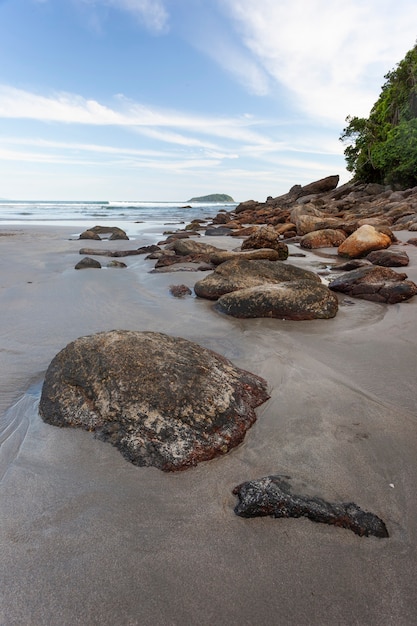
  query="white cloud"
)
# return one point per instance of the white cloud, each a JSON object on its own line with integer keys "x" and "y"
{"x": 74, "y": 109}
{"x": 330, "y": 56}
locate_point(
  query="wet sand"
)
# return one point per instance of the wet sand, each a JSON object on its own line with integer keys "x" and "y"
{"x": 87, "y": 538}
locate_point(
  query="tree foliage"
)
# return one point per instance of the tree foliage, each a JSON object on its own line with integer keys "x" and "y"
{"x": 383, "y": 147}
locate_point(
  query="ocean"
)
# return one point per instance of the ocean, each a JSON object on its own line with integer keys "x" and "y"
{"x": 134, "y": 216}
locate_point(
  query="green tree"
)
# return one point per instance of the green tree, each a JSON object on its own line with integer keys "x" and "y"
{"x": 383, "y": 147}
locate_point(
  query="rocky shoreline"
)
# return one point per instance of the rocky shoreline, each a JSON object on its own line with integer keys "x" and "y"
{"x": 359, "y": 221}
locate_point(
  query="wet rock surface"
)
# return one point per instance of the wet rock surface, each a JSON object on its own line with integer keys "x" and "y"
{"x": 292, "y": 300}
{"x": 272, "y": 496}
{"x": 162, "y": 401}
{"x": 388, "y": 258}
{"x": 241, "y": 274}
{"x": 112, "y": 233}
{"x": 88, "y": 263}
{"x": 375, "y": 283}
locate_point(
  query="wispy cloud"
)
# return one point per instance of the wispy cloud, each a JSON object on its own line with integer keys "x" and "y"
{"x": 151, "y": 13}
{"x": 73, "y": 109}
{"x": 331, "y": 58}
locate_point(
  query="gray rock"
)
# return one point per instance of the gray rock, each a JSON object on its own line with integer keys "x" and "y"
{"x": 241, "y": 273}
{"x": 162, "y": 401}
{"x": 293, "y": 300}
{"x": 88, "y": 263}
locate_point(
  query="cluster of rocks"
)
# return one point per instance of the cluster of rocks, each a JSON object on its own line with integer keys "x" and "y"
{"x": 169, "y": 403}
{"x": 359, "y": 220}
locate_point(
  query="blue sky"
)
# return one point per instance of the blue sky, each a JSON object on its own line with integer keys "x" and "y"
{"x": 168, "y": 99}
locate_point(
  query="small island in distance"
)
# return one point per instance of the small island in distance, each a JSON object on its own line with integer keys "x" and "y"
{"x": 213, "y": 197}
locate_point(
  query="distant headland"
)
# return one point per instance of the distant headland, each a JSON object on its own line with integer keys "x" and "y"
{"x": 213, "y": 197}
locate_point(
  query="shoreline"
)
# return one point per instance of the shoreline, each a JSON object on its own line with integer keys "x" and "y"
{"x": 87, "y": 538}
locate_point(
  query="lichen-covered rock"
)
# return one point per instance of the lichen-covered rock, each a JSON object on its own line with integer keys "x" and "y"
{"x": 324, "y": 238}
{"x": 187, "y": 247}
{"x": 260, "y": 253}
{"x": 375, "y": 283}
{"x": 266, "y": 237}
{"x": 241, "y": 273}
{"x": 292, "y": 300}
{"x": 364, "y": 240}
{"x": 162, "y": 401}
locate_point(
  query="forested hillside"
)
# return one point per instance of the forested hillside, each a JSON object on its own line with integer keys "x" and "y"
{"x": 383, "y": 147}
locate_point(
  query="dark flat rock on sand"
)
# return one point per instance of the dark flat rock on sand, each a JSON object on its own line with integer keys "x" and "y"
{"x": 292, "y": 300}
{"x": 162, "y": 401}
{"x": 272, "y": 495}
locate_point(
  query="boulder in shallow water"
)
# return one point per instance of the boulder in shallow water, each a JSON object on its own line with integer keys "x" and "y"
{"x": 88, "y": 263}
{"x": 292, "y": 300}
{"x": 375, "y": 283}
{"x": 162, "y": 401}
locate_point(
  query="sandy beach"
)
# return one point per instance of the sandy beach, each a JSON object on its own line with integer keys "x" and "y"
{"x": 88, "y": 539}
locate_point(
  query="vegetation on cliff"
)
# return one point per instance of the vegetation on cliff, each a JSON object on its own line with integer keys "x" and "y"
{"x": 213, "y": 197}
{"x": 383, "y": 147}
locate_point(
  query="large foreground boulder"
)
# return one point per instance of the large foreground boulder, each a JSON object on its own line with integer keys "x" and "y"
{"x": 292, "y": 300}
{"x": 241, "y": 274}
{"x": 375, "y": 283}
{"x": 162, "y": 401}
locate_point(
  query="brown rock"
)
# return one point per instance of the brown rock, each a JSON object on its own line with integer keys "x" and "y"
{"x": 388, "y": 258}
{"x": 323, "y": 238}
{"x": 162, "y": 401}
{"x": 364, "y": 240}
{"x": 89, "y": 234}
{"x": 321, "y": 186}
{"x": 88, "y": 263}
{"x": 227, "y": 255}
{"x": 375, "y": 283}
{"x": 179, "y": 291}
{"x": 266, "y": 237}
